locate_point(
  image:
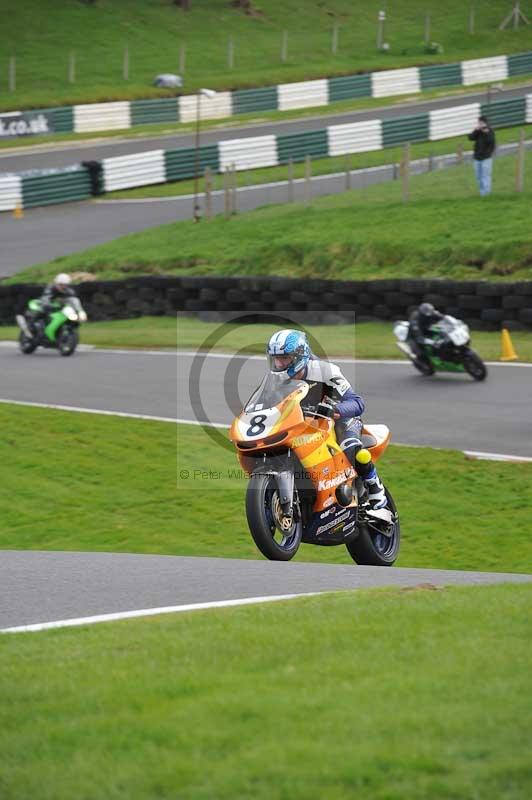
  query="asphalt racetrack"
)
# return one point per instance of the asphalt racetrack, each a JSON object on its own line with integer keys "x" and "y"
{"x": 446, "y": 410}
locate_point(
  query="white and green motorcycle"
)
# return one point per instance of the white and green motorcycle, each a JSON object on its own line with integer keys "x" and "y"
{"x": 59, "y": 329}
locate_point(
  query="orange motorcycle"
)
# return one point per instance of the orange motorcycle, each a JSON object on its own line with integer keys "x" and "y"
{"x": 302, "y": 487}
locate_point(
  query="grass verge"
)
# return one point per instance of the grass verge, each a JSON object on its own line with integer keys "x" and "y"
{"x": 445, "y": 231}
{"x": 45, "y": 31}
{"x": 376, "y": 695}
{"x": 66, "y": 466}
{"x": 366, "y": 340}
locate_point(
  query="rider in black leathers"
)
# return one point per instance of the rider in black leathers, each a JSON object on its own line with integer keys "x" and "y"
{"x": 420, "y": 321}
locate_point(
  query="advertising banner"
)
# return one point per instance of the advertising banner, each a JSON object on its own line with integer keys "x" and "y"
{"x": 25, "y": 123}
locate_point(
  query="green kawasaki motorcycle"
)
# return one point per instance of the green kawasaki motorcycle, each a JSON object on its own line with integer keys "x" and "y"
{"x": 445, "y": 348}
{"x": 59, "y": 329}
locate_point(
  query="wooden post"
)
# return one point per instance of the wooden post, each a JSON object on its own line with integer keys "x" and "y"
{"x": 334, "y": 43}
{"x": 284, "y": 46}
{"x": 208, "y": 193}
{"x": 520, "y": 164}
{"x": 460, "y": 153}
{"x": 125, "y": 64}
{"x": 234, "y": 193}
{"x": 427, "y": 28}
{"x": 347, "y": 173}
{"x": 308, "y": 176}
{"x": 227, "y": 199}
{"x": 182, "y": 58}
{"x": 72, "y": 67}
{"x": 12, "y": 74}
{"x": 291, "y": 196}
{"x": 231, "y": 54}
{"x": 405, "y": 171}
{"x": 472, "y": 20}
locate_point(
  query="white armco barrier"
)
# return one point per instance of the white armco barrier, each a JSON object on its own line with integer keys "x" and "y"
{"x": 140, "y": 169}
{"x": 484, "y": 70}
{"x": 258, "y": 151}
{"x": 355, "y": 137}
{"x": 102, "y": 117}
{"x": 447, "y": 122}
{"x": 529, "y": 108}
{"x": 305, "y": 94}
{"x": 395, "y": 81}
{"x": 10, "y": 192}
{"x": 217, "y": 107}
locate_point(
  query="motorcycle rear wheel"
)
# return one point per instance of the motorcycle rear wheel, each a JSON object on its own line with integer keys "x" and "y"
{"x": 68, "y": 340}
{"x": 371, "y": 546}
{"x": 27, "y": 344}
{"x": 261, "y": 498}
{"x": 474, "y": 366}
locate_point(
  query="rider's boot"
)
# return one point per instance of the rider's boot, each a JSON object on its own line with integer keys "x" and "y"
{"x": 367, "y": 471}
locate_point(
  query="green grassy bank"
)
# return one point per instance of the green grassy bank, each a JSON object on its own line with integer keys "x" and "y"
{"x": 366, "y": 340}
{"x": 445, "y": 231}
{"x": 380, "y": 695}
{"x": 69, "y": 466}
{"x": 42, "y": 33}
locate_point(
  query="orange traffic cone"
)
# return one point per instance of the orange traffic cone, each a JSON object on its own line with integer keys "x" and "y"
{"x": 508, "y": 353}
{"x": 18, "y": 212}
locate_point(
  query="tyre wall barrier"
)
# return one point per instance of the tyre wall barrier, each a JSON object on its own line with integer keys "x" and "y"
{"x": 482, "y": 304}
{"x": 303, "y": 94}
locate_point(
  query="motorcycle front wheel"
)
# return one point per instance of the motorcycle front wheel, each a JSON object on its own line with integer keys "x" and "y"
{"x": 263, "y": 515}
{"x": 377, "y": 543}
{"x": 68, "y": 340}
{"x": 26, "y": 343}
{"x": 474, "y": 365}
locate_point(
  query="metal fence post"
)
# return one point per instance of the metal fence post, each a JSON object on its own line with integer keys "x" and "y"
{"x": 347, "y": 173}
{"x": 472, "y": 20}
{"x": 520, "y": 164}
{"x": 227, "y": 199}
{"x": 234, "y": 192}
{"x": 72, "y": 67}
{"x": 230, "y": 54}
{"x": 427, "y": 28}
{"x": 125, "y": 64}
{"x": 459, "y": 153}
{"x": 290, "y": 180}
{"x": 208, "y": 193}
{"x": 12, "y": 74}
{"x": 182, "y": 58}
{"x": 405, "y": 171}
{"x": 334, "y": 43}
{"x": 284, "y": 46}
{"x": 308, "y": 182}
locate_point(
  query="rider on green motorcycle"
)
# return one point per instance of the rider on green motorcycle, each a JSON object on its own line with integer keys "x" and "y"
{"x": 54, "y": 296}
{"x": 420, "y": 321}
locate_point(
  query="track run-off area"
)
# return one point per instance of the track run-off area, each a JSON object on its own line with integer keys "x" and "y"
{"x": 40, "y": 590}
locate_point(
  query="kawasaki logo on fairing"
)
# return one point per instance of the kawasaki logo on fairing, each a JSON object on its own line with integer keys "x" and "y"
{"x": 332, "y": 482}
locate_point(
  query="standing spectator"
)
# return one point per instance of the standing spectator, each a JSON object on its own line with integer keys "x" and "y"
{"x": 484, "y": 139}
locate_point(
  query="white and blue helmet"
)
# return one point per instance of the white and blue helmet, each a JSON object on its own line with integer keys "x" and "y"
{"x": 288, "y": 344}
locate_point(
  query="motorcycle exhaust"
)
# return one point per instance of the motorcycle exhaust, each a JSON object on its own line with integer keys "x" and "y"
{"x": 23, "y": 325}
{"x": 406, "y": 349}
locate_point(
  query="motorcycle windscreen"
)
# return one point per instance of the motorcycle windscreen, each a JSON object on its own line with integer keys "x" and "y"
{"x": 273, "y": 390}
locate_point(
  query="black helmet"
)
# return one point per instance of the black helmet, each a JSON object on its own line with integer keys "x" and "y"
{"x": 427, "y": 310}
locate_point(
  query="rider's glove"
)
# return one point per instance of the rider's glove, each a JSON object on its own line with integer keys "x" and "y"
{"x": 325, "y": 409}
